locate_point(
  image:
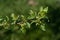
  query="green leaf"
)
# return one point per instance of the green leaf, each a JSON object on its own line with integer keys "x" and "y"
{"x": 31, "y": 15}
{"x": 1, "y": 19}
{"x": 28, "y": 24}
{"x": 14, "y": 17}
{"x": 43, "y": 27}
{"x": 7, "y": 18}
{"x": 45, "y": 9}
{"x": 23, "y": 30}
{"x": 41, "y": 9}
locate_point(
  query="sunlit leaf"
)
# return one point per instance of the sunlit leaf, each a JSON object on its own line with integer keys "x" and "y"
{"x": 31, "y": 15}
{"x": 45, "y": 9}
{"x": 14, "y": 17}
{"x": 28, "y": 24}
{"x": 43, "y": 27}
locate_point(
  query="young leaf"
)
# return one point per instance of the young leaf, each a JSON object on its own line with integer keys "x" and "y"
{"x": 28, "y": 24}
{"x": 31, "y": 15}
{"x": 14, "y": 17}
{"x": 45, "y": 9}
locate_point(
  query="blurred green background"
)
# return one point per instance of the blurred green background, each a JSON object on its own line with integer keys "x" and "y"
{"x": 22, "y": 7}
